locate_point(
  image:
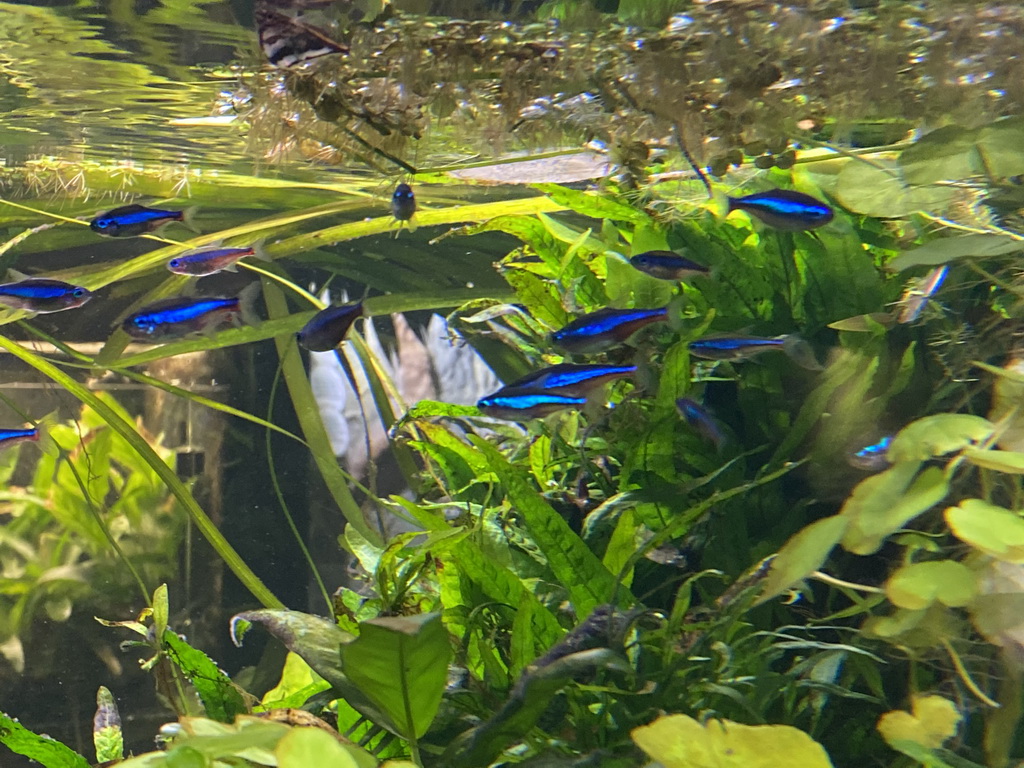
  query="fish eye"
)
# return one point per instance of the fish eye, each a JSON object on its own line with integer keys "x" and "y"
{"x": 104, "y": 223}
{"x": 78, "y": 293}
{"x": 175, "y": 262}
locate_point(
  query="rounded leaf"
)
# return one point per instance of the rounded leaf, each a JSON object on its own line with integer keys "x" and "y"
{"x": 803, "y": 554}
{"x": 919, "y": 585}
{"x": 678, "y": 741}
{"x": 938, "y": 435}
{"x": 307, "y": 747}
{"x": 993, "y": 530}
{"x": 933, "y": 720}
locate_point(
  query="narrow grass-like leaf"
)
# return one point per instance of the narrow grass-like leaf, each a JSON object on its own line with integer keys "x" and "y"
{"x": 309, "y": 418}
{"x": 114, "y": 420}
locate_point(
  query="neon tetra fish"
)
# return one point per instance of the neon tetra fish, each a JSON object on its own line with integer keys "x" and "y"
{"x": 744, "y": 347}
{"x": 11, "y": 437}
{"x": 917, "y": 295}
{"x": 38, "y": 294}
{"x": 515, "y": 404}
{"x": 605, "y": 328}
{"x": 133, "y": 220}
{"x": 667, "y": 265}
{"x": 403, "y": 202}
{"x": 181, "y": 316}
{"x": 327, "y": 328}
{"x": 784, "y": 209}
{"x": 572, "y": 380}
{"x": 872, "y": 457}
{"x": 210, "y": 260}
{"x": 701, "y": 421}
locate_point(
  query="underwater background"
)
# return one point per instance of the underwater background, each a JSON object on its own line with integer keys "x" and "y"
{"x": 554, "y": 382}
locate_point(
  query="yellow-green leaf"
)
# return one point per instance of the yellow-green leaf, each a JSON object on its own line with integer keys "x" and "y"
{"x": 1011, "y": 462}
{"x": 678, "y": 741}
{"x": 921, "y": 584}
{"x": 933, "y": 720}
{"x": 304, "y": 747}
{"x": 938, "y": 435}
{"x": 993, "y": 530}
{"x": 803, "y": 554}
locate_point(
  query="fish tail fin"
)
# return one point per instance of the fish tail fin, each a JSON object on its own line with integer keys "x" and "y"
{"x": 801, "y": 353}
{"x": 187, "y": 218}
{"x": 44, "y": 434}
{"x": 723, "y": 204}
{"x": 247, "y": 303}
{"x": 259, "y": 250}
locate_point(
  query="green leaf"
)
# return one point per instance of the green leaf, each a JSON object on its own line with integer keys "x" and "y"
{"x": 575, "y": 566}
{"x": 306, "y": 747}
{"x": 918, "y": 585}
{"x": 318, "y": 642}
{"x": 884, "y": 503}
{"x": 1002, "y": 146}
{"x": 401, "y": 664}
{"x": 539, "y": 297}
{"x": 221, "y": 698}
{"x": 1010, "y": 462}
{"x": 878, "y": 191}
{"x": 945, "y": 153}
{"x": 678, "y": 741}
{"x": 933, "y": 720}
{"x": 948, "y": 249}
{"x": 298, "y": 683}
{"x": 993, "y": 530}
{"x": 107, "y": 737}
{"x": 529, "y": 700}
{"x": 938, "y": 435}
{"x": 588, "y": 204}
{"x": 161, "y": 610}
{"x": 502, "y": 585}
{"x": 48, "y": 752}
{"x": 803, "y": 554}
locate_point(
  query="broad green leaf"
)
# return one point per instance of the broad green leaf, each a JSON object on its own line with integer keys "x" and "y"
{"x": 803, "y": 554}
{"x": 593, "y": 205}
{"x": 1001, "y": 145}
{"x": 523, "y": 641}
{"x": 107, "y": 737}
{"x": 221, "y": 698}
{"x": 919, "y": 585}
{"x": 884, "y": 503}
{"x": 48, "y": 752}
{"x": 993, "y": 530}
{"x": 307, "y": 747}
{"x": 401, "y": 664}
{"x": 621, "y": 547}
{"x": 948, "y": 249}
{"x": 945, "y": 153}
{"x": 298, "y": 683}
{"x": 674, "y": 380}
{"x": 938, "y": 435}
{"x": 679, "y": 741}
{"x": 502, "y": 585}
{"x": 318, "y": 642}
{"x": 539, "y": 297}
{"x": 1010, "y": 462}
{"x": 930, "y": 722}
{"x": 878, "y": 191}
{"x": 575, "y": 566}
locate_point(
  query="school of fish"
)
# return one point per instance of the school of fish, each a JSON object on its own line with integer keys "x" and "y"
{"x": 288, "y": 41}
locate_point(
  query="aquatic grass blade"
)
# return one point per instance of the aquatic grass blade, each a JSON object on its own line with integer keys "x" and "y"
{"x": 308, "y": 414}
{"x": 205, "y": 525}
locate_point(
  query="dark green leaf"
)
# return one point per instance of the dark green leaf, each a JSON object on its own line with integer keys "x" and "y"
{"x": 946, "y": 153}
{"x": 221, "y": 698}
{"x": 44, "y": 750}
{"x": 401, "y": 664}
